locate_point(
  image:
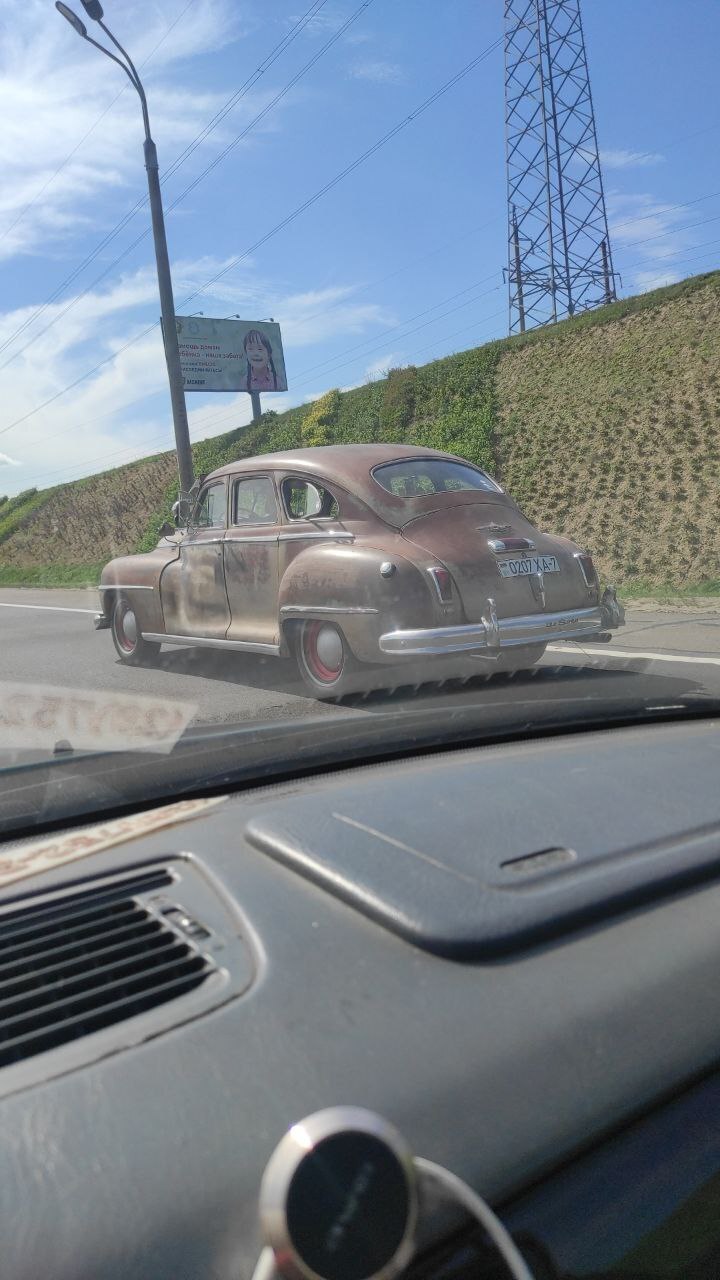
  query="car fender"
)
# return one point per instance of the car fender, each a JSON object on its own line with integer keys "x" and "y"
{"x": 367, "y": 590}
{"x": 138, "y": 577}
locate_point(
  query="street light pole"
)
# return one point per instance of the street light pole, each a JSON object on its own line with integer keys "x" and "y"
{"x": 167, "y": 302}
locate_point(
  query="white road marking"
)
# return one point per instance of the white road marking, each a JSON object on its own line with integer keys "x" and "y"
{"x": 50, "y": 608}
{"x": 607, "y": 652}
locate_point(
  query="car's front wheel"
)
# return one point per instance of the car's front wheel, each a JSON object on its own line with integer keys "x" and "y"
{"x": 324, "y": 659}
{"x": 127, "y": 637}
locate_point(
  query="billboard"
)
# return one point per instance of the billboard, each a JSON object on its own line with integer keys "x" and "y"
{"x": 230, "y": 355}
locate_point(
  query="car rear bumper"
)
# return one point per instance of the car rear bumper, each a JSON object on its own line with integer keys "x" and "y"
{"x": 493, "y": 634}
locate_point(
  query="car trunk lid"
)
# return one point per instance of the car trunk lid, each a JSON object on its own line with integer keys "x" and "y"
{"x": 488, "y": 548}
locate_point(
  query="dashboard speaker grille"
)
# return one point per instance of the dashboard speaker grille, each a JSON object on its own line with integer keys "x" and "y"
{"x": 82, "y": 961}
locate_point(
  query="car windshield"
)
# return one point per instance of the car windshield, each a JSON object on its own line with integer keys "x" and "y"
{"x": 360, "y": 370}
{"x": 416, "y": 478}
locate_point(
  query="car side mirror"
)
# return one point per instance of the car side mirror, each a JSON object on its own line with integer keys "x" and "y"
{"x": 313, "y": 502}
{"x": 166, "y": 529}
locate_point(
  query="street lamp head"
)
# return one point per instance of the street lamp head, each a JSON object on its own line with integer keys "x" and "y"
{"x": 93, "y": 9}
{"x": 72, "y": 18}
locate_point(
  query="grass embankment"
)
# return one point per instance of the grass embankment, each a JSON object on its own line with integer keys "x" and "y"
{"x": 605, "y": 427}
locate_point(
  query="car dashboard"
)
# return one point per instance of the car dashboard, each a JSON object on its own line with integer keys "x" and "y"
{"x": 509, "y": 952}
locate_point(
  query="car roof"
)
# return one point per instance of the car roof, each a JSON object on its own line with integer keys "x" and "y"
{"x": 348, "y": 465}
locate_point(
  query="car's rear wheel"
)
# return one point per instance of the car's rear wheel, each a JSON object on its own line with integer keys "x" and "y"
{"x": 127, "y": 637}
{"x": 324, "y": 659}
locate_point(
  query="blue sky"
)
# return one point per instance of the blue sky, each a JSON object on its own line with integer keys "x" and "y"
{"x": 400, "y": 263}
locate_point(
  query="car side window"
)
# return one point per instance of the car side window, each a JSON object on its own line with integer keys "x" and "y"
{"x": 210, "y": 508}
{"x": 254, "y": 501}
{"x": 300, "y": 498}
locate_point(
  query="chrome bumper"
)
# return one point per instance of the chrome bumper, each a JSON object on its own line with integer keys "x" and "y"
{"x": 493, "y": 634}
{"x": 101, "y": 622}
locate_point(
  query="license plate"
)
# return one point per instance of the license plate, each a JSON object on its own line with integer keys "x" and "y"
{"x": 527, "y": 565}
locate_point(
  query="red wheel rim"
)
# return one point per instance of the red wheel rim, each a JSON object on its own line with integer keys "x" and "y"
{"x": 315, "y": 652}
{"x": 127, "y": 642}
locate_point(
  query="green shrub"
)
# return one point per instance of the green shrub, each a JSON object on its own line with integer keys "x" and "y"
{"x": 320, "y": 419}
{"x": 398, "y": 403}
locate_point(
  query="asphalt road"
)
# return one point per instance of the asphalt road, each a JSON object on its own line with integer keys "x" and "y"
{"x": 47, "y": 638}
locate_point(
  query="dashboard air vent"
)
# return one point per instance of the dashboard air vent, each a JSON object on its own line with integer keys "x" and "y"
{"x": 78, "y": 962}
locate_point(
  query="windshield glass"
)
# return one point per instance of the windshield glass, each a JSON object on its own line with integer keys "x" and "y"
{"x": 360, "y": 372}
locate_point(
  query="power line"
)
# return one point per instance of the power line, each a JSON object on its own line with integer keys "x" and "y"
{"x": 656, "y": 213}
{"x": 278, "y": 98}
{"x": 230, "y": 416}
{"x": 409, "y": 320}
{"x": 414, "y": 262}
{"x": 344, "y": 173}
{"x": 260, "y": 70}
{"x": 73, "y": 302}
{"x": 673, "y": 231}
{"x": 354, "y": 293}
{"x": 250, "y": 83}
{"x": 399, "y": 271}
{"x": 311, "y": 200}
{"x": 225, "y": 416}
{"x": 393, "y": 328}
{"x": 391, "y": 133}
{"x": 685, "y": 137}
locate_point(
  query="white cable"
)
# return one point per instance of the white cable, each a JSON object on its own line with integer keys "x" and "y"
{"x": 265, "y": 1266}
{"x": 476, "y": 1206}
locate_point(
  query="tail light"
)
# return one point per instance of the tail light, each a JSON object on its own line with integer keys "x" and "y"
{"x": 443, "y": 583}
{"x": 588, "y": 570}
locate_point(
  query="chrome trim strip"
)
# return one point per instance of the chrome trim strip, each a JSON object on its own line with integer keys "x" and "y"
{"x": 249, "y": 538}
{"x": 246, "y": 646}
{"x": 201, "y": 542}
{"x": 123, "y": 586}
{"x": 498, "y": 545}
{"x": 433, "y": 574}
{"x": 494, "y": 633}
{"x": 492, "y": 625}
{"x": 326, "y": 608}
{"x": 341, "y": 535}
{"x": 578, "y": 557}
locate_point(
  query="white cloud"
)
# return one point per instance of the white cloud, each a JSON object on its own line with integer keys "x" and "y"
{"x": 379, "y": 368}
{"x": 378, "y": 72}
{"x": 6, "y": 461}
{"x": 324, "y": 23}
{"x": 647, "y": 233}
{"x": 620, "y": 158}
{"x": 58, "y": 94}
{"x": 359, "y": 37}
{"x": 646, "y": 280}
{"x": 122, "y": 409}
{"x": 320, "y": 314}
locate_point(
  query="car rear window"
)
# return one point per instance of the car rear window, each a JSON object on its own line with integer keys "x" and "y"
{"x": 418, "y": 477}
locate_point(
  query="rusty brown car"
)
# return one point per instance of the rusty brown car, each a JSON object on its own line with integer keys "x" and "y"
{"x": 372, "y": 565}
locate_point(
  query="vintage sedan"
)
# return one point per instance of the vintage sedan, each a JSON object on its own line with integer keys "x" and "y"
{"x": 373, "y": 565}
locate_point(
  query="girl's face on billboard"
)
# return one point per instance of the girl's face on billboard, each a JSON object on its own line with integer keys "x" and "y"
{"x": 255, "y": 352}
